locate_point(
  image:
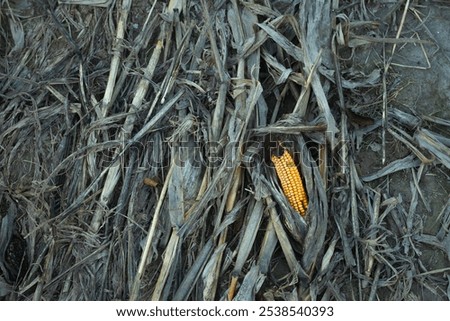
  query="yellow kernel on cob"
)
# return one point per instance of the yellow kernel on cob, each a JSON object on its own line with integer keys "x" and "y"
{"x": 291, "y": 183}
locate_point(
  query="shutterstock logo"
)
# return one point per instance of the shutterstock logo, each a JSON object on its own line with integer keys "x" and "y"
{"x": 202, "y": 154}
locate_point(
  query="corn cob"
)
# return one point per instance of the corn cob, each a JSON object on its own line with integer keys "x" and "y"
{"x": 291, "y": 182}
